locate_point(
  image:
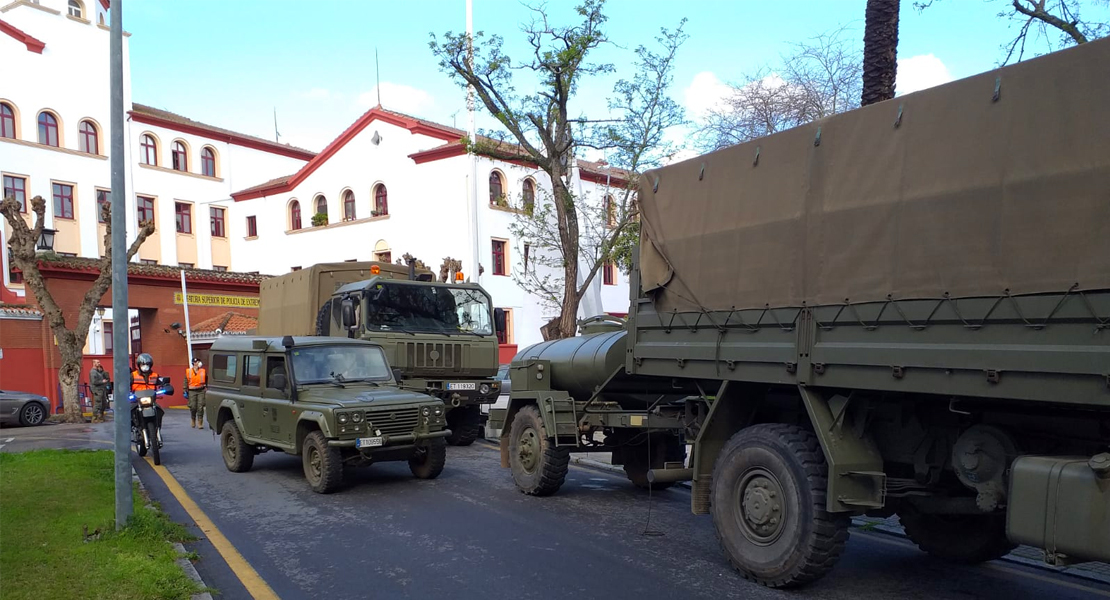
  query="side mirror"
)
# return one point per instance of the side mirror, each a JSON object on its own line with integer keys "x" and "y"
{"x": 163, "y": 381}
{"x": 167, "y": 390}
{"x": 279, "y": 381}
{"x": 397, "y": 375}
{"x": 348, "y": 308}
{"x": 499, "y": 319}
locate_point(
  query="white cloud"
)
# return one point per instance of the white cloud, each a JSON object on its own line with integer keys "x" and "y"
{"x": 920, "y": 72}
{"x": 317, "y": 94}
{"x": 704, "y": 93}
{"x": 400, "y": 97}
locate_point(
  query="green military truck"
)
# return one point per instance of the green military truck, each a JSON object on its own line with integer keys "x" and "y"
{"x": 333, "y": 401}
{"x": 903, "y": 309}
{"x": 439, "y": 335}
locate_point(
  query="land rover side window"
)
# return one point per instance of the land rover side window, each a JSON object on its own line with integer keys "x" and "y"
{"x": 223, "y": 367}
{"x": 320, "y": 364}
{"x": 252, "y": 369}
{"x": 439, "y": 309}
{"x": 275, "y": 365}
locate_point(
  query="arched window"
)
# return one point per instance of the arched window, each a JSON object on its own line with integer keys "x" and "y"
{"x": 88, "y": 139}
{"x": 180, "y": 157}
{"x": 76, "y": 9}
{"x": 208, "y": 162}
{"x": 348, "y": 206}
{"x": 528, "y": 193}
{"x": 294, "y": 215}
{"x": 496, "y": 189}
{"x": 48, "y": 129}
{"x": 320, "y": 217}
{"x": 7, "y": 120}
{"x": 381, "y": 201}
{"x": 149, "y": 150}
{"x": 610, "y": 212}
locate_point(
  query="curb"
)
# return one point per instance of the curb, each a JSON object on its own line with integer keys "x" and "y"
{"x": 865, "y": 525}
{"x": 185, "y": 564}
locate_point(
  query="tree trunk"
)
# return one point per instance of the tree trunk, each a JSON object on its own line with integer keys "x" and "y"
{"x": 568, "y": 233}
{"x": 69, "y": 375}
{"x": 880, "y": 50}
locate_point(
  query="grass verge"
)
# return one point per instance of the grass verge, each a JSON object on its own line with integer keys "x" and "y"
{"x": 47, "y": 500}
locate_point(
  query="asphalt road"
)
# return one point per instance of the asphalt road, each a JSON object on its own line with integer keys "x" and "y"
{"x": 471, "y": 534}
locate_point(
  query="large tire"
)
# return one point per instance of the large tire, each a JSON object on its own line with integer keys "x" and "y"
{"x": 323, "y": 465}
{"x": 322, "y": 320}
{"x": 238, "y": 455}
{"x": 428, "y": 462}
{"x": 152, "y": 435}
{"x": 32, "y": 413}
{"x": 664, "y": 448}
{"x": 465, "y": 425}
{"x": 966, "y": 539}
{"x": 539, "y": 468}
{"x": 768, "y": 506}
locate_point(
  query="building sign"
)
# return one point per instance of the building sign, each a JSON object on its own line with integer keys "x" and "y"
{"x": 217, "y": 300}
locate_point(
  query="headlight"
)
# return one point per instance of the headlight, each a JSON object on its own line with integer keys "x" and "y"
{"x": 483, "y": 389}
{"x": 425, "y": 411}
{"x": 439, "y": 411}
{"x": 341, "y": 417}
{"x": 356, "y": 417}
{"x": 145, "y": 400}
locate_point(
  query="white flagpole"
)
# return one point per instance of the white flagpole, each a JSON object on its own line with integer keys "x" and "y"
{"x": 188, "y": 328}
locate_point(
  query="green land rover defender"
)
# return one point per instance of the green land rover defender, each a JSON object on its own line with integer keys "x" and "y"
{"x": 333, "y": 401}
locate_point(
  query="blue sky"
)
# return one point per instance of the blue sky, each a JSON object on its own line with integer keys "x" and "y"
{"x": 232, "y": 62}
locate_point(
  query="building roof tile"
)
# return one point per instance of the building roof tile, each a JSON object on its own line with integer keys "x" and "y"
{"x": 19, "y": 310}
{"x": 229, "y": 323}
{"x": 92, "y": 265}
{"x": 157, "y": 116}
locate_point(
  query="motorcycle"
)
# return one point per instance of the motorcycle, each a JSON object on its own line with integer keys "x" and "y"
{"x": 146, "y": 419}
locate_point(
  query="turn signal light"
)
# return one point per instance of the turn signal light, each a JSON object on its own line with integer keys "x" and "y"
{"x": 458, "y": 276}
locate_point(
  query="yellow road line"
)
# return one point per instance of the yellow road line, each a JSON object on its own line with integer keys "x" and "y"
{"x": 884, "y": 539}
{"x": 256, "y": 586}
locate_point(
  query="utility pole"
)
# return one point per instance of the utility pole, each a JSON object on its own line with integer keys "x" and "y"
{"x": 472, "y": 187}
{"x": 121, "y": 371}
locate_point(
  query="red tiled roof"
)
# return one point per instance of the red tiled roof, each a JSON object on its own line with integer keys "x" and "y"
{"x": 19, "y": 310}
{"x": 33, "y": 44}
{"x": 229, "y": 323}
{"x": 590, "y": 171}
{"x": 142, "y": 113}
{"x": 92, "y": 265}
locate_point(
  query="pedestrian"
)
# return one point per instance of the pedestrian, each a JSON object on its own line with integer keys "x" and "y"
{"x": 98, "y": 382}
{"x": 196, "y": 379}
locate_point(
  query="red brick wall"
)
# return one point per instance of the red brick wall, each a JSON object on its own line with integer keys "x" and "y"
{"x": 29, "y": 365}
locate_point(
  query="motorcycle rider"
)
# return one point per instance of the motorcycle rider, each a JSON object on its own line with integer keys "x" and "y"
{"x": 145, "y": 378}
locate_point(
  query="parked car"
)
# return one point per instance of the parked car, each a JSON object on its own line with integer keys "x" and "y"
{"x": 23, "y": 408}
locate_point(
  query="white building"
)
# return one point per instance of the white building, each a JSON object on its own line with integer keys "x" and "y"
{"x": 55, "y": 143}
{"x": 393, "y": 184}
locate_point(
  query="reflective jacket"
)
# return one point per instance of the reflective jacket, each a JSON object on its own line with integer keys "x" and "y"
{"x": 138, "y": 382}
{"x": 196, "y": 378}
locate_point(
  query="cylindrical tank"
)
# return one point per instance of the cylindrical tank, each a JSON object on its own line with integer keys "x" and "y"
{"x": 578, "y": 364}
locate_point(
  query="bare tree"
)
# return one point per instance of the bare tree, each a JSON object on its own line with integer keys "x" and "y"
{"x": 71, "y": 342}
{"x": 815, "y": 79}
{"x": 544, "y": 133}
{"x": 1058, "y": 23}
{"x": 880, "y": 50}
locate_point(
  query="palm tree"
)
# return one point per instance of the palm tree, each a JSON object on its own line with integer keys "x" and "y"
{"x": 880, "y": 50}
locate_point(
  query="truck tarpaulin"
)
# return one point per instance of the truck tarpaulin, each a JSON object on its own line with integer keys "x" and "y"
{"x": 994, "y": 184}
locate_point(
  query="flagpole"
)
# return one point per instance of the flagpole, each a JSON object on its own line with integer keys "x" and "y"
{"x": 188, "y": 328}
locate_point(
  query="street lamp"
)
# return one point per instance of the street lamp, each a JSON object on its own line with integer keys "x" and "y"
{"x": 46, "y": 239}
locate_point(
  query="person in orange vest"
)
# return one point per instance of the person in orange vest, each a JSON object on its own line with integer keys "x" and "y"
{"x": 196, "y": 382}
{"x": 145, "y": 378}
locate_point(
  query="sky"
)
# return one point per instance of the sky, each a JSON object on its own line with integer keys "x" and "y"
{"x": 234, "y": 63}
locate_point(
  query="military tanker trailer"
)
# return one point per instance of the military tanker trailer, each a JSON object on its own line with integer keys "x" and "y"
{"x": 903, "y": 309}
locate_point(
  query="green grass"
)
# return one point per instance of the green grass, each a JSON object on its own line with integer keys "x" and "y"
{"x": 47, "y": 497}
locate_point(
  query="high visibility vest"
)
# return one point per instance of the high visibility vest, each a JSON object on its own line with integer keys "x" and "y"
{"x": 138, "y": 383}
{"x": 197, "y": 378}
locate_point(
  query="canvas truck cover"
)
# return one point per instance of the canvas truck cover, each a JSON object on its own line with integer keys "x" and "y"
{"x": 998, "y": 182}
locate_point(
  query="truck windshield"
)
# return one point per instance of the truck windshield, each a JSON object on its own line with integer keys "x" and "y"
{"x": 439, "y": 309}
{"x": 319, "y": 364}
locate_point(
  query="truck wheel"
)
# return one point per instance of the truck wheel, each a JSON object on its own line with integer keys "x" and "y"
{"x": 427, "y": 462}
{"x": 664, "y": 449}
{"x": 967, "y": 539}
{"x": 465, "y": 425}
{"x": 539, "y": 468}
{"x": 768, "y": 506}
{"x": 323, "y": 465}
{"x": 322, "y": 320}
{"x": 238, "y": 456}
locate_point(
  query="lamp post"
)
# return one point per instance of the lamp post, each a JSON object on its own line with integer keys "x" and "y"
{"x": 46, "y": 240}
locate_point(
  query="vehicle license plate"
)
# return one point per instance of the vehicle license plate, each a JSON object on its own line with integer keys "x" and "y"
{"x": 370, "y": 442}
{"x": 462, "y": 386}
